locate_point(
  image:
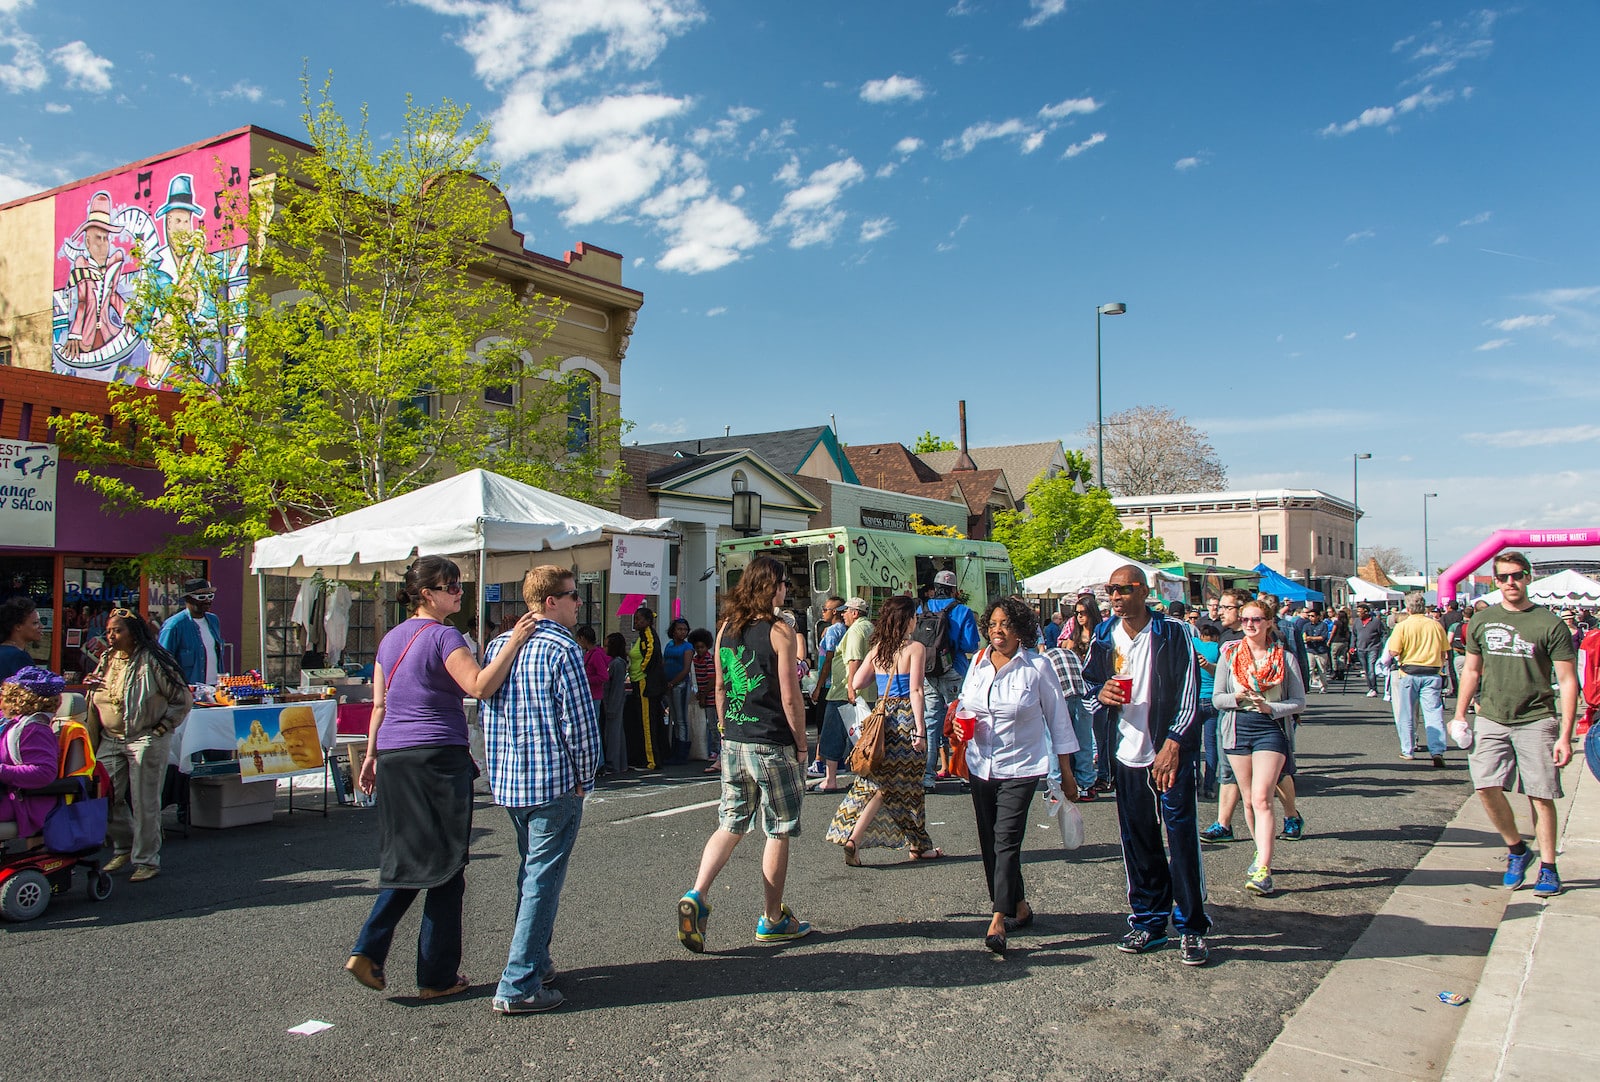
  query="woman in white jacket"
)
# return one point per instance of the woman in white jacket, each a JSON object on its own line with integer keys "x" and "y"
{"x": 1257, "y": 691}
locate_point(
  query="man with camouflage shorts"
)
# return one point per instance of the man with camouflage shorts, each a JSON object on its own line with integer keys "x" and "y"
{"x": 1513, "y": 650}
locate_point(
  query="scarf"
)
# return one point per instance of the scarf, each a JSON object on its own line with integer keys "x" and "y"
{"x": 1257, "y": 676}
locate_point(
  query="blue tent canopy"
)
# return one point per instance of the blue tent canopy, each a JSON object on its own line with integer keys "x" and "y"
{"x": 1285, "y": 589}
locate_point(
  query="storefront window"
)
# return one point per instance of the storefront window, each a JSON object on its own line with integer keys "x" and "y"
{"x": 29, "y": 576}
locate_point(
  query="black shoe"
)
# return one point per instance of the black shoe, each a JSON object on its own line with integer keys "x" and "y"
{"x": 1195, "y": 951}
{"x": 1438, "y": 760}
{"x": 1141, "y": 941}
{"x": 996, "y": 943}
{"x": 1016, "y": 924}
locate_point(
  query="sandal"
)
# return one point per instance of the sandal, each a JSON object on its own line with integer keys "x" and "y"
{"x": 461, "y": 985}
{"x": 850, "y": 857}
{"x": 366, "y": 971}
{"x": 926, "y": 854}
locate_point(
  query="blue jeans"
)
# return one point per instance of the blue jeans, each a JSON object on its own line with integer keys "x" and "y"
{"x": 1410, "y": 691}
{"x": 1208, "y": 744}
{"x": 545, "y": 835}
{"x": 937, "y": 695}
{"x": 1369, "y": 665}
{"x": 833, "y": 742}
{"x": 439, "y": 940}
{"x": 1083, "y": 771}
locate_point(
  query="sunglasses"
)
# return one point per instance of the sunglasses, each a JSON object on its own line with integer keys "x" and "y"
{"x": 1511, "y": 576}
{"x": 1252, "y": 619}
{"x": 1117, "y": 590}
{"x": 453, "y": 588}
{"x": 204, "y": 599}
{"x": 572, "y": 593}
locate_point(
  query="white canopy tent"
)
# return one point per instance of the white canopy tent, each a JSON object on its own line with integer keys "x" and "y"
{"x": 1564, "y": 589}
{"x": 1094, "y": 569}
{"x": 501, "y": 522}
{"x": 1363, "y": 591}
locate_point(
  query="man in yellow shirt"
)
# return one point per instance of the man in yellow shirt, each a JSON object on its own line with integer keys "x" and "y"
{"x": 1417, "y": 649}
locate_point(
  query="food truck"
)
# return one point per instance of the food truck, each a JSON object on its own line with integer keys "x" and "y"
{"x": 871, "y": 564}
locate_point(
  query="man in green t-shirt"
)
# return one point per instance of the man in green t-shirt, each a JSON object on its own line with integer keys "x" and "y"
{"x": 1515, "y": 651}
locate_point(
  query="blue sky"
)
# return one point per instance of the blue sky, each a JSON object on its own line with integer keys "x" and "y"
{"x": 1338, "y": 226}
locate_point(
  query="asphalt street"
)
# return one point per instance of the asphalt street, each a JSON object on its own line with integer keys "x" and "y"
{"x": 200, "y": 972}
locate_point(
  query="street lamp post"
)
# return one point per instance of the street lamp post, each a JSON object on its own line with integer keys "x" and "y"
{"x": 1426, "y": 496}
{"x": 1115, "y": 308}
{"x": 1355, "y": 513}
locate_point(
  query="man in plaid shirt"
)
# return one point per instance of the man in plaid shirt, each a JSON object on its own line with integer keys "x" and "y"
{"x": 542, "y": 740}
{"x": 1069, "y": 671}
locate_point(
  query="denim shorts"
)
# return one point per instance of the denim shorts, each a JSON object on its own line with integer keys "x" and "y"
{"x": 1255, "y": 732}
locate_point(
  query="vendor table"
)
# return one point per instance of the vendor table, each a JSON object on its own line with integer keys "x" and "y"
{"x": 210, "y": 728}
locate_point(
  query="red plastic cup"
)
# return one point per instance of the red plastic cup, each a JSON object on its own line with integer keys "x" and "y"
{"x": 966, "y": 723}
{"x": 1125, "y": 683}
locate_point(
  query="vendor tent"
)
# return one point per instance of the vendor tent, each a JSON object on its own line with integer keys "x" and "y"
{"x": 1565, "y": 588}
{"x": 478, "y": 514}
{"x": 1094, "y": 569}
{"x": 1363, "y": 591}
{"x": 1284, "y": 589}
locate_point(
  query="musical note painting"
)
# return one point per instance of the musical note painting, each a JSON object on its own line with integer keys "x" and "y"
{"x": 166, "y": 224}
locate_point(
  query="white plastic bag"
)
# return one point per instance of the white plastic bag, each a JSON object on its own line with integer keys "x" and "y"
{"x": 1067, "y": 817}
{"x": 1461, "y": 733}
{"x": 863, "y": 710}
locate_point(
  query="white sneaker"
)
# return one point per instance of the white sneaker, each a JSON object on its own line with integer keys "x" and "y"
{"x": 1372, "y": 694}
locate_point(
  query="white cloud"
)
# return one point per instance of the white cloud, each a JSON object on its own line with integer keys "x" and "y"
{"x": 874, "y": 228}
{"x": 1537, "y": 437}
{"x": 1443, "y": 48}
{"x": 26, "y": 69}
{"x": 713, "y": 313}
{"x": 1522, "y": 323}
{"x": 1476, "y": 219}
{"x": 708, "y": 234}
{"x": 524, "y": 127}
{"x": 1069, "y": 107}
{"x": 1194, "y": 161}
{"x": 789, "y": 173}
{"x": 1043, "y": 11}
{"x": 1349, "y": 336}
{"x": 1363, "y": 234}
{"x": 894, "y": 88}
{"x": 1556, "y": 298}
{"x": 1380, "y": 116}
{"x": 247, "y": 91}
{"x": 976, "y": 135}
{"x": 85, "y": 70}
{"x": 1442, "y": 238}
{"x": 1078, "y": 148}
{"x": 57, "y": 107}
{"x": 908, "y": 146}
{"x": 665, "y": 428}
{"x": 725, "y": 129}
{"x": 602, "y": 182}
{"x": 809, "y": 211}
{"x": 1033, "y": 142}
{"x": 1493, "y": 343}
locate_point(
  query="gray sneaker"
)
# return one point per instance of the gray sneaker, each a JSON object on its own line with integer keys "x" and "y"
{"x": 1195, "y": 951}
{"x": 545, "y": 999}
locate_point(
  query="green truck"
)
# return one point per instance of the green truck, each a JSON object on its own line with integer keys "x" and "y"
{"x": 871, "y": 564}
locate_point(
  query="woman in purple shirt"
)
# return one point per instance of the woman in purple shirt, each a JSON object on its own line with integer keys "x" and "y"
{"x": 418, "y": 742}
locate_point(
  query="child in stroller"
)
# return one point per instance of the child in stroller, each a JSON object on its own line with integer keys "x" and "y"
{"x": 52, "y": 798}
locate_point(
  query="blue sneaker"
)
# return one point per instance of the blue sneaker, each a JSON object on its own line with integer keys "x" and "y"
{"x": 783, "y": 929}
{"x": 1516, "y": 869}
{"x": 692, "y": 914}
{"x": 1294, "y": 827}
{"x": 1549, "y": 884}
{"x": 1216, "y": 834}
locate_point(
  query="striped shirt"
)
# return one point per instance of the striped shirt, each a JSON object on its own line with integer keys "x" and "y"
{"x": 1069, "y": 671}
{"x": 541, "y": 734}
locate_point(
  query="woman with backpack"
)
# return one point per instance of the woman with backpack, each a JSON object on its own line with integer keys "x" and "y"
{"x": 886, "y": 807}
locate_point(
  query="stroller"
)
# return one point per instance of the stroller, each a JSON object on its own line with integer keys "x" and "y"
{"x": 34, "y": 869}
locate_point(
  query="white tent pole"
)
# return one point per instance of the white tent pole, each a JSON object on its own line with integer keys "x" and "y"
{"x": 483, "y": 571}
{"x": 261, "y": 619}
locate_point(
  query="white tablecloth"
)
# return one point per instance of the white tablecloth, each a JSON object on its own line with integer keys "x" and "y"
{"x": 210, "y": 728}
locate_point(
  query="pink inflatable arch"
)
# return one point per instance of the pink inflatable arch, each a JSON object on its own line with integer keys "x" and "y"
{"x": 1507, "y": 539}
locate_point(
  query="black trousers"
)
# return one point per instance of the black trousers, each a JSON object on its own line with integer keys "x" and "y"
{"x": 1001, "y": 808}
{"x": 1164, "y": 882}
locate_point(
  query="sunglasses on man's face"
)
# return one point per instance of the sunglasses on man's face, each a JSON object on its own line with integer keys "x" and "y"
{"x": 1117, "y": 589}
{"x": 1511, "y": 576}
{"x": 204, "y": 599}
{"x": 572, "y": 593}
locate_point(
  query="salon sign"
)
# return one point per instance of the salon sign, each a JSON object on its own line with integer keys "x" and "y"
{"x": 28, "y": 494}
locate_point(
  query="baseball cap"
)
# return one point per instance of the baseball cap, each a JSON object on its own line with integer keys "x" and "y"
{"x": 945, "y": 578}
{"x": 857, "y": 604}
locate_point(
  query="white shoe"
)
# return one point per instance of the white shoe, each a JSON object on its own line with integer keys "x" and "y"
{"x": 1372, "y": 694}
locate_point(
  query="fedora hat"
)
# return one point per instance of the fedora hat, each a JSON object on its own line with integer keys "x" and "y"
{"x": 99, "y": 214}
{"x": 180, "y": 196}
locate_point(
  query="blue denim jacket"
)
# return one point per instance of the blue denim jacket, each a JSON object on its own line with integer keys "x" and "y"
{"x": 182, "y": 640}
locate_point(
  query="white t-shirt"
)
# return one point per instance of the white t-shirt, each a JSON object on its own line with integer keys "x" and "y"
{"x": 1134, "y": 747}
{"x": 208, "y": 644}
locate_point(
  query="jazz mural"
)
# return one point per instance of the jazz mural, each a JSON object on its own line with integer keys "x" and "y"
{"x": 166, "y": 224}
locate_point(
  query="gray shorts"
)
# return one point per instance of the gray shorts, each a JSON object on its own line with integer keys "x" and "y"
{"x": 1516, "y": 758}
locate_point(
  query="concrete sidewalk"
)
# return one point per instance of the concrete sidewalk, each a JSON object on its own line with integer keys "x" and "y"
{"x": 1527, "y": 964}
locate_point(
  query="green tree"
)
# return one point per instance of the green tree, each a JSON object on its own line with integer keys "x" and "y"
{"x": 372, "y": 383}
{"x": 1063, "y": 523}
{"x": 927, "y": 443}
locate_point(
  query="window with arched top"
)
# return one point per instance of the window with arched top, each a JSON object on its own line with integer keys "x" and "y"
{"x": 582, "y": 393}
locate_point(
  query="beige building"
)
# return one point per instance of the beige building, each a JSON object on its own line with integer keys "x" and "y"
{"x": 1304, "y": 534}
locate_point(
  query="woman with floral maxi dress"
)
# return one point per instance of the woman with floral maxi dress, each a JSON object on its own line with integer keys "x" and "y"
{"x": 887, "y": 808}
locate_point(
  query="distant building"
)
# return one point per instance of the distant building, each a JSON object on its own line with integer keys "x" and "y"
{"x": 1022, "y": 463}
{"x": 803, "y": 452}
{"x": 1304, "y": 534}
{"x": 892, "y": 466}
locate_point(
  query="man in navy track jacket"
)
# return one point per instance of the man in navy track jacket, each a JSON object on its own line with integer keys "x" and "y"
{"x": 1156, "y": 737}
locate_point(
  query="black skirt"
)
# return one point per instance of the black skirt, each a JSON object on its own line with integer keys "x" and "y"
{"x": 424, "y": 815}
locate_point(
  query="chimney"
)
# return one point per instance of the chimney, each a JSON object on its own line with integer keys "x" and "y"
{"x": 964, "y": 462}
